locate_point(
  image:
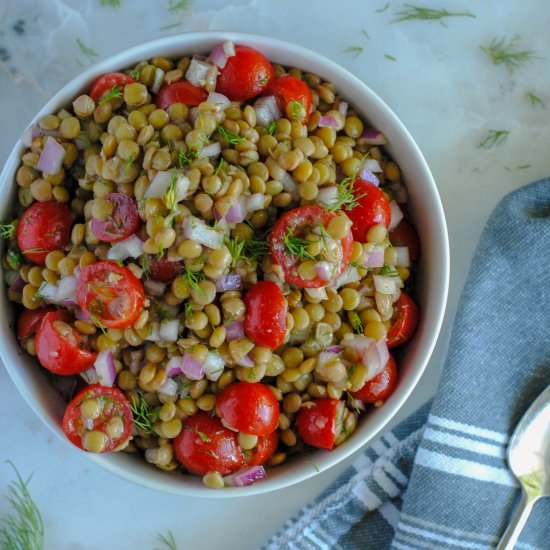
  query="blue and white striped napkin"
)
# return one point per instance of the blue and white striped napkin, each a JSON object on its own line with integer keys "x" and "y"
{"x": 440, "y": 480}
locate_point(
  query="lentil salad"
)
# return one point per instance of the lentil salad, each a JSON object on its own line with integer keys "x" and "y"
{"x": 160, "y": 285}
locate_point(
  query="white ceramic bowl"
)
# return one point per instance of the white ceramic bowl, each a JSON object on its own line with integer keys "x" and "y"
{"x": 431, "y": 292}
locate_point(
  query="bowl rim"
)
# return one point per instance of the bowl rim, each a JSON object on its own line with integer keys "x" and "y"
{"x": 398, "y": 137}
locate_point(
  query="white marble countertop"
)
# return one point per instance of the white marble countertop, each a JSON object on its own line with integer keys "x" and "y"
{"x": 434, "y": 76}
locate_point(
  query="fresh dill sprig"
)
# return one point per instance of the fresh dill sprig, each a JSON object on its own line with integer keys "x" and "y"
{"x": 297, "y": 246}
{"x": 193, "y": 278}
{"x": 186, "y": 157}
{"x": 352, "y": 403}
{"x": 23, "y": 529}
{"x": 97, "y": 322}
{"x": 88, "y": 52}
{"x": 219, "y": 167}
{"x": 390, "y": 57}
{"x": 145, "y": 265}
{"x": 14, "y": 258}
{"x": 144, "y": 417}
{"x": 7, "y": 230}
{"x": 230, "y": 137}
{"x": 507, "y": 53}
{"x": 355, "y": 321}
{"x": 168, "y": 542}
{"x": 365, "y": 34}
{"x": 296, "y": 110}
{"x": 272, "y": 128}
{"x": 313, "y": 465}
{"x": 383, "y": 8}
{"x": 535, "y": 100}
{"x": 428, "y": 14}
{"x": 251, "y": 249}
{"x": 389, "y": 271}
{"x": 114, "y": 93}
{"x": 176, "y": 6}
{"x": 494, "y": 139}
{"x": 130, "y": 160}
{"x": 357, "y": 265}
{"x": 355, "y": 50}
{"x": 135, "y": 73}
{"x": 112, "y": 3}
{"x": 347, "y": 199}
{"x": 170, "y": 197}
{"x": 235, "y": 247}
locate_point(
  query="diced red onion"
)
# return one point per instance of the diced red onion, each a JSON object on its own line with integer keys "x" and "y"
{"x": 327, "y": 121}
{"x": 229, "y": 48}
{"x": 82, "y": 315}
{"x": 219, "y": 100}
{"x": 327, "y": 195}
{"x": 267, "y": 110}
{"x": 28, "y": 136}
{"x": 159, "y": 185}
{"x": 170, "y": 387}
{"x": 157, "y": 80}
{"x": 18, "y": 284}
{"x": 396, "y": 215}
{"x": 234, "y": 331}
{"x": 231, "y": 281}
{"x": 359, "y": 404}
{"x": 289, "y": 184}
{"x": 334, "y": 349}
{"x": 196, "y": 230}
{"x": 191, "y": 368}
{"x": 66, "y": 288}
{"x": 169, "y": 330}
{"x": 199, "y": 73}
{"x": 90, "y": 376}
{"x": 218, "y": 56}
{"x": 386, "y": 284}
{"x": 367, "y": 175}
{"x": 402, "y": 254}
{"x": 245, "y": 361}
{"x": 174, "y": 366}
{"x": 105, "y": 368}
{"x": 343, "y": 108}
{"x": 211, "y": 150}
{"x": 323, "y": 270}
{"x": 350, "y": 275}
{"x": 375, "y": 358}
{"x": 317, "y": 293}
{"x": 373, "y": 137}
{"x": 373, "y": 165}
{"x": 213, "y": 366}
{"x": 51, "y": 157}
{"x": 373, "y": 258}
{"x": 154, "y": 288}
{"x": 132, "y": 247}
{"x": 255, "y": 202}
{"x": 245, "y": 476}
{"x": 358, "y": 343}
{"x": 154, "y": 334}
{"x": 236, "y": 213}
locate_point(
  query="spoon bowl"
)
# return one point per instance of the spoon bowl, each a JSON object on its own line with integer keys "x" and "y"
{"x": 529, "y": 461}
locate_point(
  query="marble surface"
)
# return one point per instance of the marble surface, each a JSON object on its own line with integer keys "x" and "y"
{"x": 433, "y": 74}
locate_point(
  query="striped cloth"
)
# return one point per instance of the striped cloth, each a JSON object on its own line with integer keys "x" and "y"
{"x": 439, "y": 480}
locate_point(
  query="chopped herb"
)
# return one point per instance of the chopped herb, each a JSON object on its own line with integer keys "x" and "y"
{"x": 230, "y": 137}
{"x": 144, "y": 417}
{"x": 535, "y": 100}
{"x": 389, "y": 271}
{"x": 355, "y": 50}
{"x": 428, "y": 14}
{"x": 297, "y": 246}
{"x": 357, "y": 265}
{"x": 169, "y": 542}
{"x": 390, "y": 57}
{"x": 24, "y": 527}
{"x": 352, "y": 403}
{"x": 494, "y": 139}
{"x": 88, "y": 52}
{"x": 508, "y": 53}
{"x": 351, "y": 370}
{"x": 131, "y": 159}
{"x": 219, "y": 167}
{"x": 179, "y": 5}
{"x": 524, "y": 166}
{"x": 193, "y": 278}
{"x": 315, "y": 467}
{"x": 14, "y": 258}
{"x": 170, "y": 197}
{"x": 186, "y": 157}
{"x": 202, "y": 435}
{"x": 145, "y": 265}
{"x": 272, "y": 128}
{"x": 252, "y": 249}
{"x": 365, "y": 33}
{"x": 383, "y": 8}
{"x": 112, "y": 3}
{"x": 355, "y": 321}
{"x": 7, "y": 230}
{"x": 171, "y": 26}
{"x": 97, "y": 322}
{"x": 296, "y": 110}
{"x": 135, "y": 73}
{"x": 235, "y": 247}
{"x": 114, "y": 93}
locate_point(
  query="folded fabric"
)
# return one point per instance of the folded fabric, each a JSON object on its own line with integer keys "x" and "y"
{"x": 440, "y": 479}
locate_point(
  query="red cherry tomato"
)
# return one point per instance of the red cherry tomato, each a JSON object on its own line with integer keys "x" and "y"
{"x": 372, "y": 209}
{"x": 264, "y": 450}
{"x": 296, "y": 220}
{"x": 29, "y": 320}
{"x": 122, "y": 222}
{"x": 112, "y": 404}
{"x": 105, "y": 83}
{"x": 249, "y": 407}
{"x": 111, "y": 293}
{"x": 380, "y": 387}
{"x": 206, "y": 445}
{"x": 245, "y": 75}
{"x": 405, "y": 235}
{"x": 43, "y": 227}
{"x": 293, "y": 95}
{"x": 317, "y": 424}
{"x": 403, "y": 322}
{"x": 266, "y": 308}
{"x": 164, "y": 270}
{"x": 59, "y": 345}
{"x": 180, "y": 92}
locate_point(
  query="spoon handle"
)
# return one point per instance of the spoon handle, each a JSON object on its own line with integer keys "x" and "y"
{"x": 511, "y": 535}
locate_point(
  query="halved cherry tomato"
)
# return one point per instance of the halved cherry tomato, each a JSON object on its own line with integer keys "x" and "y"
{"x": 206, "y": 445}
{"x": 104, "y": 84}
{"x": 266, "y": 308}
{"x": 295, "y": 220}
{"x": 403, "y": 322}
{"x": 405, "y": 235}
{"x": 293, "y": 95}
{"x": 111, "y": 293}
{"x": 112, "y": 417}
{"x": 164, "y": 270}
{"x": 58, "y": 345}
{"x": 264, "y": 449}
{"x": 122, "y": 222}
{"x": 317, "y": 424}
{"x": 372, "y": 209}
{"x": 249, "y": 407}
{"x": 380, "y": 387}
{"x": 245, "y": 75}
{"x": 181, "y": 91}
{"x": 43, "y": 227}
{"x": 29, "y": 320}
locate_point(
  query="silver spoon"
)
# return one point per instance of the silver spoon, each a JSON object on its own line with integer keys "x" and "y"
{"x": 529, "y": 460}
